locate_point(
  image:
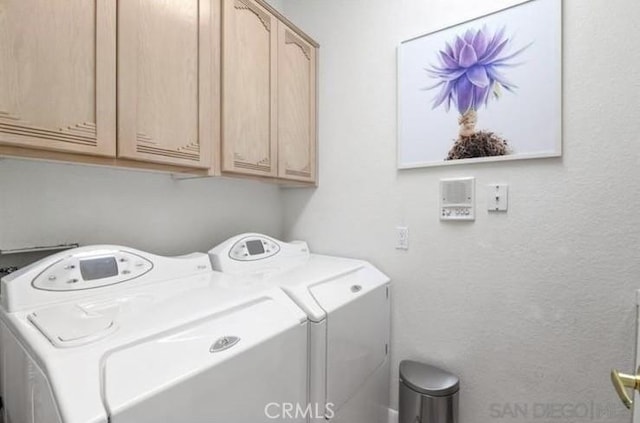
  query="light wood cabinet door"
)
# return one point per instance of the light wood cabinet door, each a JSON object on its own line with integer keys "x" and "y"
{"x": 164, "y": 81}
{"x": 296, "y": 107}
{"x": 249, "y": 104}
{"x": 57, "y": 75}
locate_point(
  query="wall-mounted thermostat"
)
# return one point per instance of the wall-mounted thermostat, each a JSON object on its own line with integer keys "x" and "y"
{"x": 457, "y": 199}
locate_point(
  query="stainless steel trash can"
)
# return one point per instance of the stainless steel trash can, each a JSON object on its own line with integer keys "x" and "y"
{"x": 427, "y": 394}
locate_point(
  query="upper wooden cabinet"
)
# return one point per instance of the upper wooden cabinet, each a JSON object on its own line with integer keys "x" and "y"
{"x": 268, "y": 95}
{"x": 57, "y": 75}
{"x": 296, "y": 106}
{"x": 164, "y": 81}
{"x": 223, "y": 85}
{"x": 249, "y": 53}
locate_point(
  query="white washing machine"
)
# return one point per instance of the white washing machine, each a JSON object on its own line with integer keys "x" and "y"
{"x": 347, "y": 303}
{"x": 111, "y": 334}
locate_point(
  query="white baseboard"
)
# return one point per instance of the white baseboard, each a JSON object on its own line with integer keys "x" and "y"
{"x": 393, "y": 416}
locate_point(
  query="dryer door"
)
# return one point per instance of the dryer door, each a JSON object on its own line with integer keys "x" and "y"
{"x": 358, "y": 318}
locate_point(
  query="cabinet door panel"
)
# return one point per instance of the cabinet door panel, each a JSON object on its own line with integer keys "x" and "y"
{"x": 164, "y": 63}
{"x": 249, "y": 97}
{"x": 296, "y": 107}
{"x": 57, "y": 75}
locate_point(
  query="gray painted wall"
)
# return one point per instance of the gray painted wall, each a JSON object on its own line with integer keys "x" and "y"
{"x": 47, "y": 204}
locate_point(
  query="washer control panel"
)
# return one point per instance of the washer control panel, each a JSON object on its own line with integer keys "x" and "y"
{"x": 253, "y": 248}
{"x": 88, "y": 271}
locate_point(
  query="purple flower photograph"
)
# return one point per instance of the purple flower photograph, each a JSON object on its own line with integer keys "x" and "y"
{"x": 488, "y": 89}
{"x": 471, "y": 71}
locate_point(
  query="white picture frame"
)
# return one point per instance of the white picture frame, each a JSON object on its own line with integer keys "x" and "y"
{"x": 528, "y": 117}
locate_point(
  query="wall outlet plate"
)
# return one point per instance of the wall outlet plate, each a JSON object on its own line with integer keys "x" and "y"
{"x": 457, "y": 199}
{"x": 402, "y": 235}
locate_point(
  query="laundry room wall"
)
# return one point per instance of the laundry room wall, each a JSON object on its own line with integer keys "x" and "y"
{"x": 532, "y": 307}
{"x": 52, "y": 203}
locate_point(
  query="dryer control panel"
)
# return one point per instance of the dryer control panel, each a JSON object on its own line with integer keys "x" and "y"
{"x": 253, "y": 248}
{"x": 87, "y": 271}
{"x": 257, "y": 253}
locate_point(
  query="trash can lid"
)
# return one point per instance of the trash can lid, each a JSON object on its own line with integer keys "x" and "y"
{"x": 428, "y": 380}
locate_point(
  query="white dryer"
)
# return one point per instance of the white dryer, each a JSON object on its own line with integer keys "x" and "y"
{"x": 348, "y": 306}
{"x": 111, "y": 334}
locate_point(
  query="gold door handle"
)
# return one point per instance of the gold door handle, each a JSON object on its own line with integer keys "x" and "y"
{"x": 621, "y": 382}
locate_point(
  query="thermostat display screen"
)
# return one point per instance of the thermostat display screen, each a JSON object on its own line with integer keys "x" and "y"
{"x": 99, "y": 268}
{"x": 255, "y": 247}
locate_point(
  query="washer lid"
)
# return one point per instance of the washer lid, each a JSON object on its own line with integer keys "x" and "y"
{"x": 178, "y": 358}
{"x": 428, "y": 380}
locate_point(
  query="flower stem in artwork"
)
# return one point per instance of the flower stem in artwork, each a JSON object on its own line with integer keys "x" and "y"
{"x": 468, "y": 123}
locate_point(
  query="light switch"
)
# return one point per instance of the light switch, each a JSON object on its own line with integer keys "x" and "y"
{"x": 498, "y": 197}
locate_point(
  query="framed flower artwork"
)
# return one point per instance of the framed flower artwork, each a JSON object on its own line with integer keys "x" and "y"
{"x": 486, "y": 89}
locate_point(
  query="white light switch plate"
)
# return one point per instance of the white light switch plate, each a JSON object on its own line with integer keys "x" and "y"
{"x": 498, "y": 197}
